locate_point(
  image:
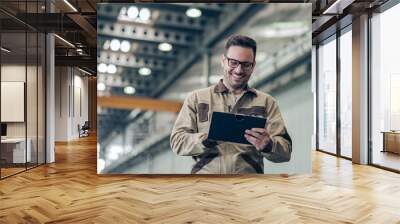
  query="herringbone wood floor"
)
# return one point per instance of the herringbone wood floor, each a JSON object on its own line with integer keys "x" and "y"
{"x": 70, "y": 191}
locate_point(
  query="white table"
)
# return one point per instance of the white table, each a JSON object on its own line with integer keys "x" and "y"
{"x": 18, "y": 145}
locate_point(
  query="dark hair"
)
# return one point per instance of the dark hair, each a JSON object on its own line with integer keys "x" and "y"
{"x": 242, "y": 41}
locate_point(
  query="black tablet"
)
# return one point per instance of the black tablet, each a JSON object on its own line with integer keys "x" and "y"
{"x": 231, "y": 127}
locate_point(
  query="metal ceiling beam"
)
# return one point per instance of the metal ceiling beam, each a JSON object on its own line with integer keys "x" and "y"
{"x": 207, "y": 8}
{"x": 146, "y": 49}
{"x": 300, "y": 61}
{"x": 11, "y": 25}
{"x": 135, "y": 66}
{"x": 290, "y": 79}
{"x": 327, "y": 16}
{"x": 321, "y": 22}
{"x": 146, "y": 34}
{"x": 330, "y": 28}
{"x": 133, "y": 62}
{"x": 85, "y": 61}
{"x": 134, "y": 80}
{"x": 104, "y": 124}
{"x": 139, "y": 53}
{"x": 338, "y": 6}
{"x": 63, "y": 6}
{"x": 63, "y": 51}
{"x": 16, "y": 19}
{"x": 89, "y": 30}
{"x": 119, "y": 91}
{"x": 160, "y": 18}
{"x": 139, "y": 82}
{"x": 49, "y": 22}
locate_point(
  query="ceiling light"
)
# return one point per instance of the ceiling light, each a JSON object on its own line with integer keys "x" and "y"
{"x": 65, "y": 41}
{"x": 114, "y": 152}
{"x": 133, "y": 12}
{"x": 102, "y": 68}
{"x": 5, "y": 50}
{"x": 101, "y": 86}
{"x": 144, "y": 71}
{"x": 144, "y": 14}
{"x": 122, "y": 11}
{"x": 70, "y": 5}
{"x": 193, "y": 12}
{"x": 106, "y": 45}
{"x": 112, "y": 69}
{"x": 125, "y": 46}
{"x": 115, "y": 44}
{"x": 129, "y": 90}
{"x": 165, "y": 47}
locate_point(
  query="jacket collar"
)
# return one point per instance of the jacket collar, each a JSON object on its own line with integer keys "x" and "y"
{"x": 221, "y": 88}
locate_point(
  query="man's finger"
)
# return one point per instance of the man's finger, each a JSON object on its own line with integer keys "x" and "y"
{"x": 260, "y": 130}
{"x": 254, "y": 134}
{"x": 251, "y": 139}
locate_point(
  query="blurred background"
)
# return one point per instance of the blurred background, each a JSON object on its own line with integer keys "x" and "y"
{"x": 151, "y": 55}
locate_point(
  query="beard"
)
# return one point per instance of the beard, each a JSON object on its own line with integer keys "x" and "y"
{"x": 236, "y": 81}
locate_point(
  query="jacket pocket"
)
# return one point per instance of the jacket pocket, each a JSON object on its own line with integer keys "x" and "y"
{"x": 203, "y": 109}
{"x": 254, "y": 111}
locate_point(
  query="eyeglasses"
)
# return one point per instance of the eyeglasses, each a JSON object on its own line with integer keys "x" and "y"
{"x": 246, "y": 66}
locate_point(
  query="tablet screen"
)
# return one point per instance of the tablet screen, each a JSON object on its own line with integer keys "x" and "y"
{"x": 231, "y": 127}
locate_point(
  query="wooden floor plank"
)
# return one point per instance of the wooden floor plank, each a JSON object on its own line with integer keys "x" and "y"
{"x": 70, "y": 191}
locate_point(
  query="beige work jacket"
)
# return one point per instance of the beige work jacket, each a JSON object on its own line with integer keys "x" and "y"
{"x": 191, "y": 127}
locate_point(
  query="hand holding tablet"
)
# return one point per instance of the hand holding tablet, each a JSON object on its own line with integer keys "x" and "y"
{"x": 232, "y": 127}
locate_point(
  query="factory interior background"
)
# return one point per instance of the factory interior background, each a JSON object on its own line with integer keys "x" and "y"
{"x": 156, "y": 52}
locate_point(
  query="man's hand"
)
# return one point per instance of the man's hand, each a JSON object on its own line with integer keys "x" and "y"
{"x": 258, "y": 137}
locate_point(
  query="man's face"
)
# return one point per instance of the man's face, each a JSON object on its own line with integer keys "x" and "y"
{"x": 238, "y": 64}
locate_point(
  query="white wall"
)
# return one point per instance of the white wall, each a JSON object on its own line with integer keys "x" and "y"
{"x": 71, "y": 94}
{"x": 61, "y": 103}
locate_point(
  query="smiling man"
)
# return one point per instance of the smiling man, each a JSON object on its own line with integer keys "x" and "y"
{"x": 232, "y": 94}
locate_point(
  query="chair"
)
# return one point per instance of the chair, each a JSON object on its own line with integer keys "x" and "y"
{"x": 84, "y": 130}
